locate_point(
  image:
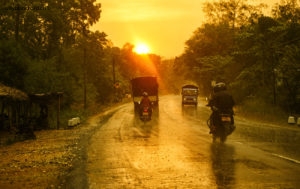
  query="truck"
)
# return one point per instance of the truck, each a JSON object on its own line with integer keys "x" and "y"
{"x": 189, "y": 94}
{"x": 147, "y": 84}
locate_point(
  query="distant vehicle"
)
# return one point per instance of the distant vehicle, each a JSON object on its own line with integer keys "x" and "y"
{"x": 139, "y": 85}
{"x": 189, "y": 95}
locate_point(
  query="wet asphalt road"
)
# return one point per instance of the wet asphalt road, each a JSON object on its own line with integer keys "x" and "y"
{"x": 174, "y": 150}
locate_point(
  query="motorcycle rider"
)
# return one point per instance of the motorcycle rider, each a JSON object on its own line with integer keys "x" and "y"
{"x": 220, "y": 102}
{"x": 145, "y": 102}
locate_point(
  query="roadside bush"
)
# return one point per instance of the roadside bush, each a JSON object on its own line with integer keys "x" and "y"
{"x": 258, "y": 109}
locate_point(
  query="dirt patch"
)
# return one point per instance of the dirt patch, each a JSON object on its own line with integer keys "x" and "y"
{"x": 55, "y": 159}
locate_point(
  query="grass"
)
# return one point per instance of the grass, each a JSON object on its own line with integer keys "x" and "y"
{"x": 259, "y": 110}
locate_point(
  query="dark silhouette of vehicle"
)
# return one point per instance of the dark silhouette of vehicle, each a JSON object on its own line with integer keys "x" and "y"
{"x": 222, "y": 127}
{"x": 148, "y": 84}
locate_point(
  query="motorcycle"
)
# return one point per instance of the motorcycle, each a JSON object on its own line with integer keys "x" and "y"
{"x": 221, "y": 125}
{"x": 145, "y": 114}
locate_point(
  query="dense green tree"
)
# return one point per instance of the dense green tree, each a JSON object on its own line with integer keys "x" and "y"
{"x": 206, "y": 51}
{"x": 209, "y": 53}
{"x": 235, "y": 13}
{"x": 89, "y": 66}
{"x": 13, "y": 64}
{"x": 41, "y": 26}
{"x": 288, "y": 70}
{"x": 127, "y": 62}
{"x": 49, "y": 31}
{"x": 248, "y": 50}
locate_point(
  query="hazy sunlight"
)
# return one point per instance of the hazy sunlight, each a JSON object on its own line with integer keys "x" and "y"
{"x": 141, "y": 49}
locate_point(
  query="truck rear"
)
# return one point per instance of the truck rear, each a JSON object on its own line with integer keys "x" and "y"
{"x": 144, "y": 84}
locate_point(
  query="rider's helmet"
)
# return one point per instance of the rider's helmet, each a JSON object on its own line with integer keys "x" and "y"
{"x": 219, "y": 87}
{"x": 145, "y": 94}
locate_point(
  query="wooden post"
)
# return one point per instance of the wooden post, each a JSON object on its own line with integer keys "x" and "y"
{"x": 58, "y": 110}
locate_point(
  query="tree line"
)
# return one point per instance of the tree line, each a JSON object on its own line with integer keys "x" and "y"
{"x": 256, "y": 54}
{"x": 48, "y": 46}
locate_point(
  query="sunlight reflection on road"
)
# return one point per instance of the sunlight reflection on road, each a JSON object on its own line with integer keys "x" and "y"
{"x": 174, "y": 150}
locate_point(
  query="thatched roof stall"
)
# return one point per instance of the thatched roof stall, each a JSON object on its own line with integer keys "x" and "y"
{"x": 13, "y": 108}
{"x": 12, "y": 93}
{"x": 21, "y": 114}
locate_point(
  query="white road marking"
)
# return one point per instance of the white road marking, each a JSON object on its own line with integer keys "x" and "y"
{"x": 278, "y": 155}
{"x": 286, "y": 158}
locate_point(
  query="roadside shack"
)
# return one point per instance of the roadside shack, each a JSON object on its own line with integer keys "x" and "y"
{"x": 22, "y": 113}
{"x": 13, "y": 109}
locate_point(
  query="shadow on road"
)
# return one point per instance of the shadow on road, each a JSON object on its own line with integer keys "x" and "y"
{"x": 223, "y": 164}
{"x": 146, "y": 129}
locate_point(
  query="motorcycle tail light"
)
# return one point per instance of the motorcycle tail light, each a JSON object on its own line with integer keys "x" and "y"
{"x": 226, "y": 118}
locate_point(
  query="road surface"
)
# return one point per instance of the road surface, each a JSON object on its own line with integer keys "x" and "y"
{"x": 174, "y": 150}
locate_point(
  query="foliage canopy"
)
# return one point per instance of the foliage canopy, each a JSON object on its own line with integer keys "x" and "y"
{"x": 255, "y": 54}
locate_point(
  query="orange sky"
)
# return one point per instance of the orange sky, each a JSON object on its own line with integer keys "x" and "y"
{"x": 164, "y": 25}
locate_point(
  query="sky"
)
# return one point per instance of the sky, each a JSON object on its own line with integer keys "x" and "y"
{"x": 163, "y": 25}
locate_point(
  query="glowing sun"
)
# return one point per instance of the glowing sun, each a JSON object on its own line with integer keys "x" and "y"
{"x": 141, "y": 49}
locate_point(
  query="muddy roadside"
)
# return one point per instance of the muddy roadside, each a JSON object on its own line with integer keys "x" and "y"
{"x": 55, "y": 159}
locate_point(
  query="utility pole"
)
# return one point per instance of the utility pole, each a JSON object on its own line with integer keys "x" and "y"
{"x": 84, "y": 78}
{"x": 113, "y": 67}
{"x": 17, "y": 24}
{"x": 274, "y": 86}
{"x": 84, "y": 68}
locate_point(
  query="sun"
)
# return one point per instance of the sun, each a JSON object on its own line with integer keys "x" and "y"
{"x": 141, "y": 48}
